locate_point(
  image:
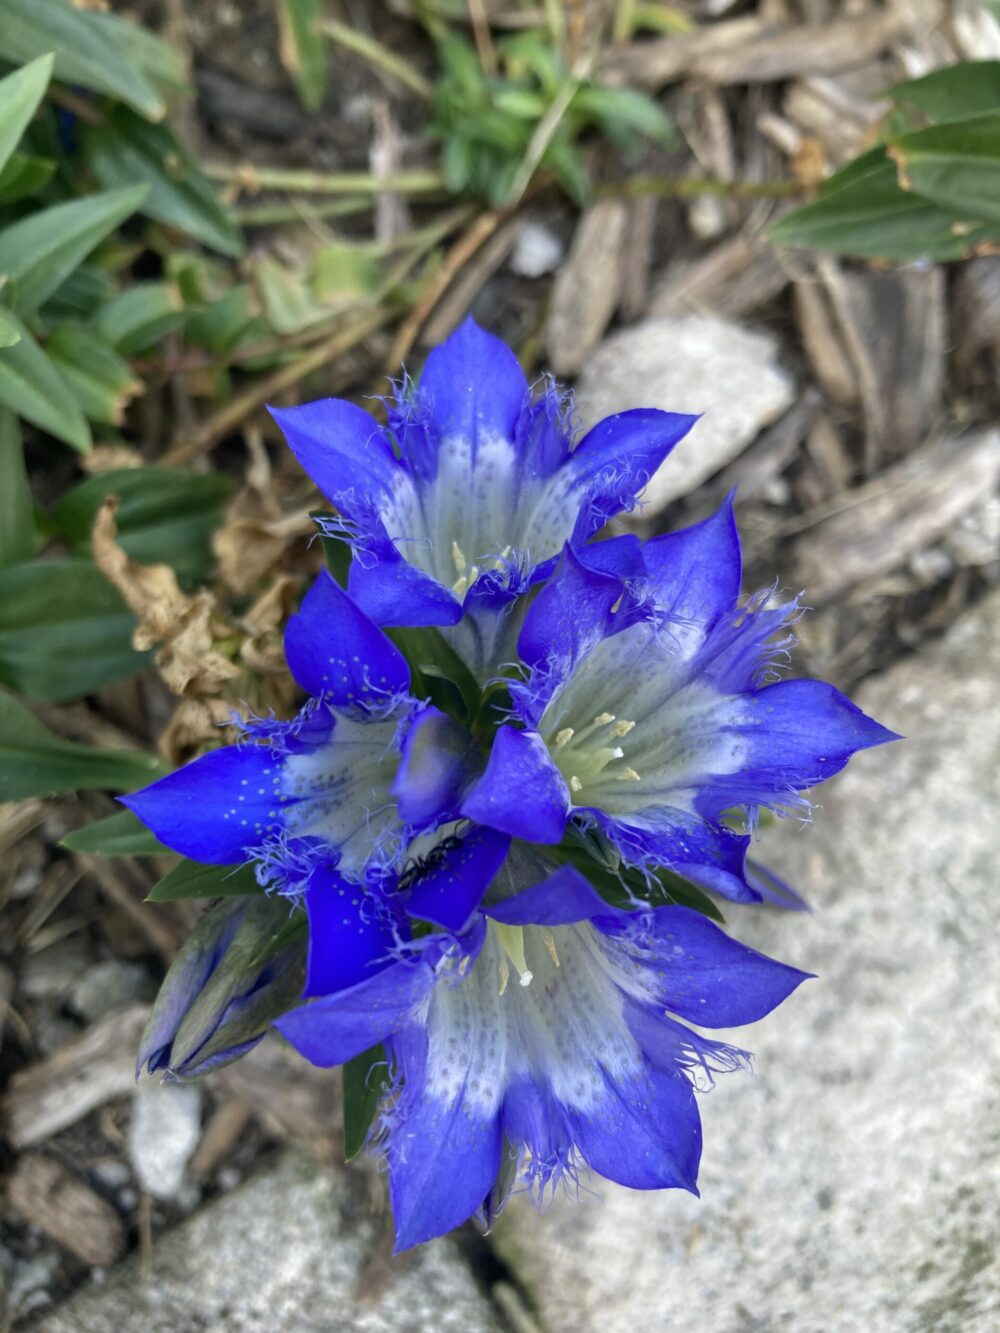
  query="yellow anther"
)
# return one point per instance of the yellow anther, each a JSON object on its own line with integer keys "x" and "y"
{"x": 629, "y": 775}
{"x": 575, "y": 784}
{"x": 458, "y": 556}
{"x": 512, "y": 942}
{"x": 564, "y": 737}
{"x": 504, "y": 974}
{"x": 460, "y": 586}
{"x": 550, "y": 943}
{"x": 602, "y": 719}
{"x": 622, "y": 728}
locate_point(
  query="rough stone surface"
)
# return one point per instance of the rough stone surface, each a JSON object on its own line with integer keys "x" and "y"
{"x": 688, "y": 363}
{"x": 278, "y": 1254}
{"x": 852, "y": 1184}
{"x": 166, "y": 1125}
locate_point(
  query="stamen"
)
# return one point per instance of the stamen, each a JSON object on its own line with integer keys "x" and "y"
{"x": 602, "y": 719}
{"x": 512, "y": 942}
{"x": 504, "y": 974}
{"x": 460, "y": 587}
{"x": 458, "y": 556}
{"x": 564, "y": 737}
{"x": 630, "y": 775}
{"x": 574, "y": 783}
{"x": 549, "y": 941}
{"x": 622, "y": 728}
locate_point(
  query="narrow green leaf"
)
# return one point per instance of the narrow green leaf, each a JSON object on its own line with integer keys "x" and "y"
{"x": 34, "y": 762}
{"x": 363, "y": 1080}
{"x": 24, "y": 176}
{"x": 42, "y": 250}
{"x": 121, "y": 834}
{"x": 165, "y": 515}
{"x": 87, "y": 51}
{"x": 193, "y": 880}
{"x": 20, "y": 94}
{"x": 956, "y": 165}
{"x": 100, "y": 379}
{"x": 862, "y": 211}
{"x": 10, "y": 333}
{"x": 64, "y": 630}
{"x": 32, "y": 387}
{"x": 303, "y": 49}
{"x": 158, "y": 60}
{"x": 953, "y": 92}
{"x": 17, "y": 528}
{"x": 128, "y": 149}
{"x": 140, "y": 316}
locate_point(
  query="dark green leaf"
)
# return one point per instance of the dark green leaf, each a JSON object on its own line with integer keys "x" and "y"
{"x": 953, "y": 92}
{"x": 34, "y": 762}
{"x": 122, "y": 834}
{"x": 64, "y": 630}
{"x": 956, "y": 166}
{"x": 129, "y": 149}
{"x": 165, "y": 515}
{"x": 24, "y": 176}
{"x": 17, "y": 529}
{"x": 87, "y": 51}
{"x": 139, "y": 317}
{"x": 20, "y": 94}
{"x": 221, "y": 325}
{"x": 32, "y": 387}
{"x": 364, "y": 1079}
{"x": 100, "y": 379}
{"x": 42, "y": 250}
{"x": 83, "y": 293}
{"x": 192, "y": 880}
{"x": 158, "y": 60}
{"x": 432, "y": 658}
{"x": 862, "y": 211}
{"x": 303, "y": 49}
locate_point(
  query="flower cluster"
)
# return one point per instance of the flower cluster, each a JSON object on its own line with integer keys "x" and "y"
{"x": 529, "y": 763}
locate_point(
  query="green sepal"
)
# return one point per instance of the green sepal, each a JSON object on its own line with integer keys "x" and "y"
{"x": 364, "y": 1080}
{"x": 121, "y": 834}
{"x": 191, "y": 879}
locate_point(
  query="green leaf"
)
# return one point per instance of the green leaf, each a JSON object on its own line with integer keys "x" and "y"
{"x": 624, "y": 113}
{"x": 81, "y": 296}
{"x": 10, "y": 333}
{"x": 121, "y": 834}
{"x": 17, "y": 529}
{"x": 32, "y": 387}
{"x": 87, "y": 51}
{"x": 363, "y": 1080}
{"x": 190, "y": 879}
{"x": 165, "y": 515}
{"x": 24, "y": 176}
{"x": 862, "y": 211}
{"x": 288, "y": 301}
{"x": 64, "y": 630}
{"x": 20, "y": 94}
{"x": 42, "y": 250}
{"x": 100, "y": 379}
{"x": 220, "y": 325}
{"x": 954, "y": 92}
{"x": 34, "y": 762}
{"x": 128, "y": 149}
{"x": 956, "y": 165}
{"x": 140, "y": 316}
{"x": 156, "y": 59}
{"x": 303, "y": 49}
{"x": 431, "y": 658}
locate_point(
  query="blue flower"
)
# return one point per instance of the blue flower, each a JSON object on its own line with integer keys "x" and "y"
{"x": 343, "y": 788}
{"x": 646, "y": 713}
{"x": 538, "y": 1041}
{"x": 467, "y": 498}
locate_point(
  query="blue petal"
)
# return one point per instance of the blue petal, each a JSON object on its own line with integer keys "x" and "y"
{"x": 349, "y": 938}
{"x": 450, "y": 891}
{"x": 336, "y": 1028}
{"x": 699, "y": 971}
{"x": 571, "y": 614}
{"x": 443, "y": 1160}
{"x": 436, "y": 764}
{"x": 695, "y": 575}
{"x": 616, "y": 459}
{"x": 344, "y": 451}
{"x": 393, "y": 592}
{"x": 521, "y": 792}
{"x": 621, "y": 556}
{"x": 335, "y": 651}
{"x": 562, "y": 899}
{"x": 794, "y": 734}
{"x": 217, "y": 807}
{"x": 473, "y": 386}
{"x": 707, "y": 853}
{"x": 644, "y": 1132}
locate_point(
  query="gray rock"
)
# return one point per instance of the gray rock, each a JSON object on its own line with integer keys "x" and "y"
{"x": 852, "y": 1184}
{"x": 110, "y": 985}
{"x": 279, "y": 1253}
{"x": 166, "y": 1124}
{"x": 688, "y": 363}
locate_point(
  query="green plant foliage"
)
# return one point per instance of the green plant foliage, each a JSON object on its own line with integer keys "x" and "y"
{"x": 190, "y": 879}
{"x": 362, "y": 1086}
{"x": 20, "y": 95}
{"x": 931, "y": 190}
{"x": 303, "y": 49}
{"x": 496, "y": 131}
{"x": 121, "y": 834}
{"x": 165, "y": 515}
{"x": 17, "y": 530}
{"x": 64, "y": 630}
{"x": 35, "y": 762}
{"x": 31, "y": 386}
{"x": 137, "y": 318}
